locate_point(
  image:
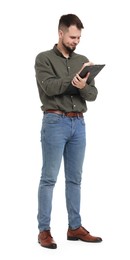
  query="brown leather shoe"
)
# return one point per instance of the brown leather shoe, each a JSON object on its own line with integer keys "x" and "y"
{"x": 46, "y": 240}
{"x": 82, "y": 234}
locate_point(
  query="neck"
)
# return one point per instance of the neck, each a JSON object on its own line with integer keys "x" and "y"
{"x": 64, "y": 52}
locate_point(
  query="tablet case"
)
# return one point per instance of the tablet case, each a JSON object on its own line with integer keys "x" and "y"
{"x": 93, "y": 69}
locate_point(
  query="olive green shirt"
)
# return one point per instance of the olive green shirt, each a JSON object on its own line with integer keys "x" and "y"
{"x": 54, "y": 74}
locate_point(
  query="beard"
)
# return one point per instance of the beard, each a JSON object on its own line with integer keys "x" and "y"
{"x": 68, "y": 49}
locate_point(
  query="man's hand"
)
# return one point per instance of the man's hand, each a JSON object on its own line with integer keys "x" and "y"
{"x": 79, "y": 82}
{"x": 86, "y": 64}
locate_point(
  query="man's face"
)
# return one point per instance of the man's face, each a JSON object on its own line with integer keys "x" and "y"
{"x": 70, "y": 38}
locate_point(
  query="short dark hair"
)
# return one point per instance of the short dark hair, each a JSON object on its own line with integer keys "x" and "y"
{"x": 68, "y": 20}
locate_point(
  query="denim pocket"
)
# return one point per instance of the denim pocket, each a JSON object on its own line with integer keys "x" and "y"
{"x": 51, "y": 118}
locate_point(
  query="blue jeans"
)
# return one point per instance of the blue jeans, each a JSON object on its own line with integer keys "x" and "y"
{"x": 65, "y": 137}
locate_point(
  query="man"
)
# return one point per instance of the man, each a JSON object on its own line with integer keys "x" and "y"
{"x": 63, "y": 94}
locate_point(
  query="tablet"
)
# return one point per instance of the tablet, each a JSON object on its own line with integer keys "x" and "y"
{"x": 93, "y": 69}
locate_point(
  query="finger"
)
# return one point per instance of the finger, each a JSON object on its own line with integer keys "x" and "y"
{"x": 86, "y": 77}
{"x": 89, "y": 63}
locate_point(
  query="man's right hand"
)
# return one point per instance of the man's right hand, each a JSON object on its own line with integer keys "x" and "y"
{"x": 89, "y": 63}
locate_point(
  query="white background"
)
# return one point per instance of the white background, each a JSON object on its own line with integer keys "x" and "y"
{"x": 27, "y": 28}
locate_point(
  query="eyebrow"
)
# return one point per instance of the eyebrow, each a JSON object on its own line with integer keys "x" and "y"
{"x": 75, "y": 36}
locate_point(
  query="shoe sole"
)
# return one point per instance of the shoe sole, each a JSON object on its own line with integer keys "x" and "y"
{"x": 77, "y": 238}
{"x": 53, "y": 246}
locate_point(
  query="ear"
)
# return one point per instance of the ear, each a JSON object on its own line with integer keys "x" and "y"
{"x": 60, "y": 34}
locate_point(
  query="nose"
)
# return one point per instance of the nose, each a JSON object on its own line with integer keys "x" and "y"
{"x": 77, "y": 41}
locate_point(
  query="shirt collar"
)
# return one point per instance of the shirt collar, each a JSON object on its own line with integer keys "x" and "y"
{"x": 59, "y": 53}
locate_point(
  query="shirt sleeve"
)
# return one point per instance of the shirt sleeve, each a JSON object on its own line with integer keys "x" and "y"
{"x": 47, "y": 79}
{"x": 89, "y": 92}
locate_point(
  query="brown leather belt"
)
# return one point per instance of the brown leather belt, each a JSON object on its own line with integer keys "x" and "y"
{"x": 69, "y": 114}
